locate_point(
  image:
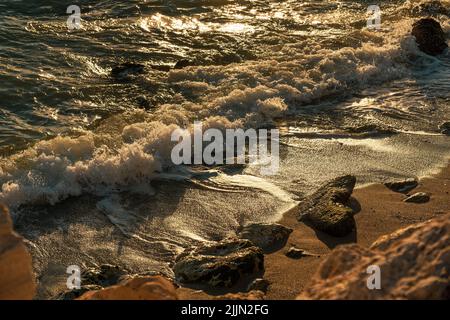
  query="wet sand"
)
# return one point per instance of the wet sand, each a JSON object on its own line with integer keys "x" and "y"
{"x": 380, "y": 211}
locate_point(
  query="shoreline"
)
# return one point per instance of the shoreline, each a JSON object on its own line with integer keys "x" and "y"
{"x": 379, "y": 211}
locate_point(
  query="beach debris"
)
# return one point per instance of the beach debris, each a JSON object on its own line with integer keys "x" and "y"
{"x": 296, "y": 253}
{"x": 138, "y": 288}
{"x": 327, "y": 209}
{"x": 419, "y": 197}
{"x": 402, "y": 185}
{"x": 268, "y": 236}
{"x": 127, "y": 71}
{"x": 219, "y": 264}
{"x": 411, "y": 263}
{"x": 259, "y": 285}
{"x": 430, "y": 37}
{"x": 16, "y": 274}
{"x": 445, "y": 127}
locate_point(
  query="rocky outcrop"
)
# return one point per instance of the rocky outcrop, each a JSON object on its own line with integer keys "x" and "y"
{"x": 267, "y": 236}
{"x": 419, "y": 197}
{"x": 414, "y": 264}
{"x": 16, "y": 274}
{"x": 327, "y": 210}
{"x": 430, "y": 37}
{"x": 402, "y": 185}
{"x": 139, "y": 288}
{"x": 219, "y": 264}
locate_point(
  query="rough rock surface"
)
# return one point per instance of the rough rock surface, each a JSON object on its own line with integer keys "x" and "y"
{"x": 219, "y": 264}
{"x": 259, "y": 285}
{"x": 140, "y": 288}
{"x": 327, "y": 210}
{"x": 267, "y": 236}
{"x": 419, "y": 197}
{"x": 16, "y": 274}
{"x": 433, "y": 8}
{"x": 414, "y": 264}
{"x": 402, "y": 185}
{"x": 430, "y": 37}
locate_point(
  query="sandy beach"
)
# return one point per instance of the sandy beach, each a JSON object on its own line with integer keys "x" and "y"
{"x": 380, "y": 211}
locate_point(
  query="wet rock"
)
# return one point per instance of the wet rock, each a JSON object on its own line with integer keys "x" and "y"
{"x": 16, "y": 273}
{"x": 296, "y": 253}
{"x": 219, "y": 264}
{"x": 267, "y": 236}
{"x": 259, "y": 285}
{"x": 419, "y": 197}
{"x": 414, "y": 263}
{"x": 402, "y": 185}
{"x": 445, "y": 127}
{"x": 327, "y": 210}
{"x": 76, "y": 293}
{"x": 105, "y": 275}
{"x": 139, "y": 288}
{"x": 127, "y": 71}
{"x": 430, "y": 37}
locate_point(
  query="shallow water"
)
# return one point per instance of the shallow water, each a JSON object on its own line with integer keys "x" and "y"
{"x": 346, "y": 100}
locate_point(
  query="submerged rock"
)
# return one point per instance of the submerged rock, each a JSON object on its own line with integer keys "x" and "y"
{"x": 414, "y": 263}
{"x": 402, "y": 185}
{"x": 259, "y": 285}
{"x": 127, "y": 71}
{"x": 419, "y": 197}
{"x": 327, "y": 210}
{"x": 16, "y": 273}
{"x": 219, "y": 264}
{"x": 267, "y": 236}
{"x": 430, "y": 37}
{"x": 139, "y": 288}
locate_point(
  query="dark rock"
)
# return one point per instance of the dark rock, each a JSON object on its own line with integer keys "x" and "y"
{"x": 259, "y": 285}
{"x": 219, "y": 264}
{"x": 295, "y": 253}
{"x": 182, "y": 64}
{"x": 402, "y": 185}
{"x": 419, "y": 197}
{"x": 267, "y": 236}
{"x": 430, "y": 37}
{"x": 445, "y": 127}
{"x": 105, "y": 275}
{"x": 327, "y": 210}
{"x": 127, "y": 71}
{"x": 76, "y": 293}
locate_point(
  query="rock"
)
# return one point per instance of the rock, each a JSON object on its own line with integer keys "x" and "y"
{"x": 419, "y": 197}
{"x": 414, "y": 263}
{"x": 219, "y": 264}
{"x": 445, "y": 127}
{"x": 430, "y": 37}
{"x": 431, "y": 8}
{"x": 76, "y": 293}
{"x": 105, "y": 275}
{"x": 295, "y": 253}
{"x": 327, "y": 210}
{"x": 402, "y": 185}
{"x": 267, "y": 236}
{"x": 127, "y": 71}
{"x": 182, "y": 64}
{"x": 252, "y": 295}
{"x": 259, "y": 285}
{"x": 140, "y": 288}
{"x": 16, "y": 274}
